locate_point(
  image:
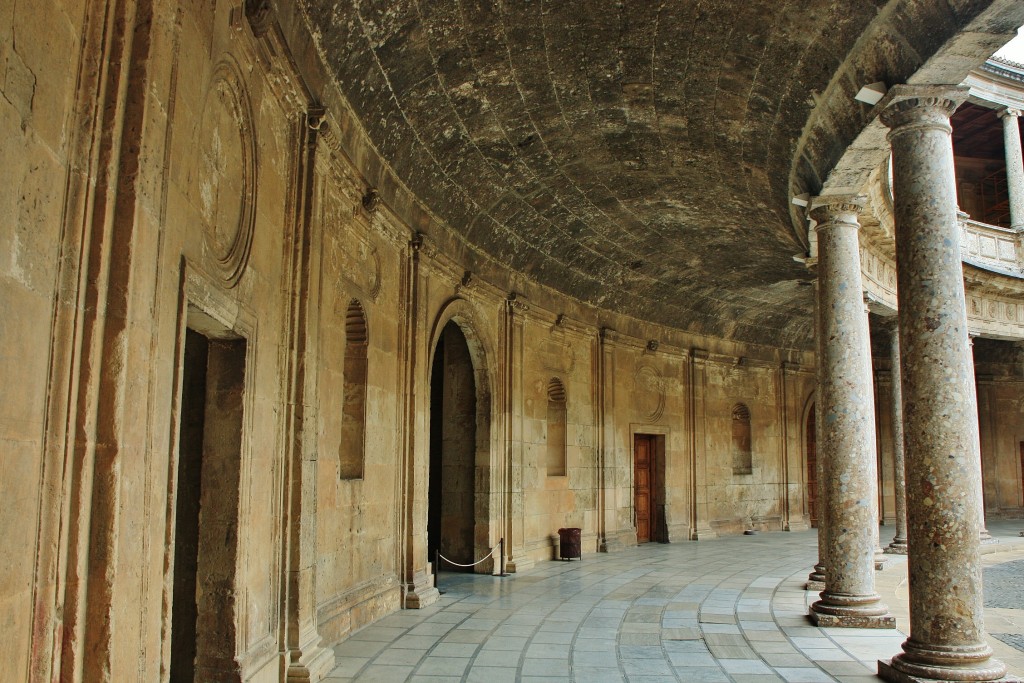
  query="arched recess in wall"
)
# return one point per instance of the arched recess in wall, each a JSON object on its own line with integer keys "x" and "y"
{"x": 354, "y": 376}
{"x": 556, "y": 428}
{"x": 742, "y": 456}
{"x": 455, "y": 326}
{"x": 810, "y": 471}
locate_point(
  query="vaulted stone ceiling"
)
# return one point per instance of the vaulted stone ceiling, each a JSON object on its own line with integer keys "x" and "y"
{"x": 636, "y": 155}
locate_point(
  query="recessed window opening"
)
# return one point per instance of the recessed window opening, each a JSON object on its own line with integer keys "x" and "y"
{"x": 353, "y": 417}
{"x": 556, "y": 465}
{"x": 742, "y": 458}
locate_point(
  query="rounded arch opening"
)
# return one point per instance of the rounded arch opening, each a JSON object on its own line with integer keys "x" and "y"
{"x": 810, "y": 470}
{"x": 460, "y": 463}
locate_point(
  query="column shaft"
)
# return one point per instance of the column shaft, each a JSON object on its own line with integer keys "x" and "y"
{"x": 898, "y": 546}
{"x": 940, "y": 424}
{"x": 983, "y": 533}
{"x": 816, "y": 579}
{"x": 846, "y": 410}
{"x": 1014, "y": 166}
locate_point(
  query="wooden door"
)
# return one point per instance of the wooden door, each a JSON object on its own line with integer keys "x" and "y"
{"x": 643, "y": 486}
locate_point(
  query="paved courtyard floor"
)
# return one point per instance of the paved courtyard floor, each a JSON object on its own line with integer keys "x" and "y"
{"x": 729, "y": 609}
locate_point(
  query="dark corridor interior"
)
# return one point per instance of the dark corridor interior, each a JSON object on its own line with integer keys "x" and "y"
{"x": 450, "y": 507}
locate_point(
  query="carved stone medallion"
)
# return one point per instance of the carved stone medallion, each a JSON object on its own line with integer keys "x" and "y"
{"x": 223, "y": 179}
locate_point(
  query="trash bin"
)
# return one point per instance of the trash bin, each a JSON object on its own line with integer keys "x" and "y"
{"x": 569, "y": 543}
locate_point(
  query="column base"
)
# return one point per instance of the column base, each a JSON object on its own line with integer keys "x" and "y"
{"x": 702, "y": 533}
{"x": 313, "y": 665}
{"x": 518, "y": 565}
{"x": 888, "y": 672}
{"x": 816, "y": 579}
{"x": 616, "y": 541}
{"x": 897, "y": 548}
{"x": 851, "y": 620}
{"x": 861, "y": 611}
{"x": 421, "y": 592}
{"x": 799, "y": 524}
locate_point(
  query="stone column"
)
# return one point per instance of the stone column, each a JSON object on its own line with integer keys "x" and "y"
{"x": 816, "y": 579}
{"x": 983, "y": 532}
{"x": 847, "y": 414}
{"x": 947, "y": 633}
{"x": 898, "y": 546}
{"x": 881, "y": 560}
{"x": 1014, "y": 166}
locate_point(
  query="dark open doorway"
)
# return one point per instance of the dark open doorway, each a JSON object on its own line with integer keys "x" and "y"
{"x": 453, "y": 416}
{"x": 206, "y": 510}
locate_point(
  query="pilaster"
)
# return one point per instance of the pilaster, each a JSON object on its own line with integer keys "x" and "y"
{"x": 699, "y": 517}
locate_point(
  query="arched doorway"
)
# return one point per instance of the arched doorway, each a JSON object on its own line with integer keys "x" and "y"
{"x": 453, "y": 444}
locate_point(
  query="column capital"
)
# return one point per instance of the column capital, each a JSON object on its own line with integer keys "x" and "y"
{"x": 829, "y": 210}
{"x": 913, "y": 106}
{"x": 1009, "y": 113}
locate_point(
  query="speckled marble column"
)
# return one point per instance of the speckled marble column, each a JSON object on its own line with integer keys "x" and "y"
{"x": 881, "y": 561}
{"x": 947, "y": 634}
{"x": 816, "y": 579}
{"x": 846, "y": 410}
{"x": 898, "y": 546}
{"x": 1014, "y": 166}
{"x": 983, "y": 532}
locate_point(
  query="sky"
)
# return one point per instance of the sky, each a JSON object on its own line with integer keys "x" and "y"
{"x": 1014, "y": 50}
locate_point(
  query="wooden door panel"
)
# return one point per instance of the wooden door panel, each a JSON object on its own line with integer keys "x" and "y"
{"x": 642, "y": 461}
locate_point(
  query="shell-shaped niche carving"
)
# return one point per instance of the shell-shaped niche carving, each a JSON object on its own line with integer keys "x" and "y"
{"x": 222, "y": 178}
{"x": 649, "y": 394}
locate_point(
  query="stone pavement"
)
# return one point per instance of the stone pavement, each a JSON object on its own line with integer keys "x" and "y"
{"x": 730, "y": 609}
{"x": 1003, "y": 564}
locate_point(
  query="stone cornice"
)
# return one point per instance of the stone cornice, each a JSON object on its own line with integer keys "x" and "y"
{"x": 1003, "y": 68}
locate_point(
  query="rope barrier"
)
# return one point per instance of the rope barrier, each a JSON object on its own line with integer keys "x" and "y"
{"x": 466, "y": 565}
{"x": 501, "y": 562}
